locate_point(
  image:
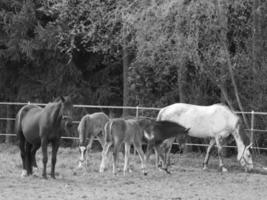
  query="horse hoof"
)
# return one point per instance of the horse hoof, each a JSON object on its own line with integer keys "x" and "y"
{"x": 224, "y": 169}
{"x": 45, "y": 177}
{"x": 80, "y": 165}
{"x": 23, "y": 173}
{"x": 205, "y": 168}
{"x": 35, "y": 171}
{"x": 101, "y": 170}
{"x": 167, "y": 171}
{"x": 53, "y": 176}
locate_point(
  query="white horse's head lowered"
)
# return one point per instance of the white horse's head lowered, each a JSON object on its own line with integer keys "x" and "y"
{"x": 245, "y": 158}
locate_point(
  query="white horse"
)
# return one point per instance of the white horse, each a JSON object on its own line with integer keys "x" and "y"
{"x": 216, "y": 122}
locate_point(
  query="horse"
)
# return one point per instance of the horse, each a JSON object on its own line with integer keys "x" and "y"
{"x": 217, "y": 122}
{"x": 91, "y": 126}
{"x": 35, "y": 127}
{"x": 156, "y": 132}
{"x": 117, "y": 132}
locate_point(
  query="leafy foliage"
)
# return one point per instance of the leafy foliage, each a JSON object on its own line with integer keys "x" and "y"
{"x": 176, "y": 48}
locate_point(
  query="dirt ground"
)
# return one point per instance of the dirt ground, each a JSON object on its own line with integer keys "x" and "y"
{"x": 186, "y": 181}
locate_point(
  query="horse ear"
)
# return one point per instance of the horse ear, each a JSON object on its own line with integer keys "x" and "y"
{"x": 73, "y": 96}
{"x": 62, "y": 99}
{"x": 249, "y": 146}
{"x": 187, "y": 130}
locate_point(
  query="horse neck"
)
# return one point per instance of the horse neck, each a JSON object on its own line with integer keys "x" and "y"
{"x": 239, "y": 143}
{"x": 56, "y": 112}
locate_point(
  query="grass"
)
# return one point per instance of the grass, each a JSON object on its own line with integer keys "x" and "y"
{"x": 67, "y": 160}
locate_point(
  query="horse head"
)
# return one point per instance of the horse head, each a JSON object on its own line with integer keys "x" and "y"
{"x": 66, "y": 113}
{"x": 147, "y": 126}
{"x": 246, "y": 159}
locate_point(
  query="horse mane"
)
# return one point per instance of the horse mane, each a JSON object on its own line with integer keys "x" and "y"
{"x": 167, "y": 123}
{"x": 56, "y": 110}
{"x": 242, "y": 133}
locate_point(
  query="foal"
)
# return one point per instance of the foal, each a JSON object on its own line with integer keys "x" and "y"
{"x": 156, "y": 132}
{"x": 117, "y": 132}
{"x": 91, "y": 126}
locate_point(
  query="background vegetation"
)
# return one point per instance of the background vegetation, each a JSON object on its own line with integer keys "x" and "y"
{"x": 146, "y": 53}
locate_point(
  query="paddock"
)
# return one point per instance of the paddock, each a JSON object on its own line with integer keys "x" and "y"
{"x": 187, "y": 181}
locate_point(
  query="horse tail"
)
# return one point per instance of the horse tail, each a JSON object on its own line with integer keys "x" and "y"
{"x": 82, "y": 128}
{"x": 19, "y": 116}
{"x": 108, "y": 131}
{"x": 18, "y": 123}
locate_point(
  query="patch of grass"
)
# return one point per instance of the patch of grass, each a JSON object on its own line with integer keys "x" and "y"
{"x": 67, "y": 161}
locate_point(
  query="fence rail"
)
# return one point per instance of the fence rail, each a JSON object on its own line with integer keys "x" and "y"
{"x": 252, "y": 113}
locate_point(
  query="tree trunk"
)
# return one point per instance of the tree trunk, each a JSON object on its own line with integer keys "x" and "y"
{"x": 228, "y": 60}
{"x": 254, "y": 37}
{"x": 225, "y": 97}
{"x": 181, "y": 84}
{"x": 125, "y": 61}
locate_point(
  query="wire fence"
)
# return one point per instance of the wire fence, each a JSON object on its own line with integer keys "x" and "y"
{"x": 135, "y": 111}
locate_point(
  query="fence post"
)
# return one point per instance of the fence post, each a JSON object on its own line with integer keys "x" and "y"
{"x": 9, "y": 123}
{"x": 252, "y": 129}
{"x": 137, "y": 112}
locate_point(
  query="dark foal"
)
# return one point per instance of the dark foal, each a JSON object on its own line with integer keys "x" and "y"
{"x": 36, "y": 127}
{"x": 156, "y": 132}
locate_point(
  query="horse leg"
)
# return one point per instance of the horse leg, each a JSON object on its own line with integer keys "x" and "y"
{"x": 138, "y": 148}
{"x": 219, "y": 145}
{"x": 44, "y": 144}
{"x": 55, "y": 145}
{"x": 104, "y": 156}
{"x": 148, "y": 152}
{"x": 126, "y": 157}
{"x": 101, "y": 140}
{"x": 28, "y": 158}
{"x": 22, "y": 153}
{"x": 88, "y": 150}
{"x": 167, "y": 144}
{"x": 116, "y": 149}
{"x": 161, "y": 157}
{"x": 33, "y": 153}
{"x": 207, "y": 157}
{"x": 168, "y": 151}
{"x": 90, "y": 143}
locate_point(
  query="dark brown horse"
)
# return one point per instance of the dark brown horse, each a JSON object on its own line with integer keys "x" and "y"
{"x": 36, "y": 127}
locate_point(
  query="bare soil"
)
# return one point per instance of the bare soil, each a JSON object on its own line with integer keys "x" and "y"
{"x": 186, "y": 181}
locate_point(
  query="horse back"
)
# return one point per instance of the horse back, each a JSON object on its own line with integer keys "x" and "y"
{"x": 121, "y": 130}
{"x": 134, "y": 133}
{"x": 92, "y": 123}
{"x": 203, "y": 121}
